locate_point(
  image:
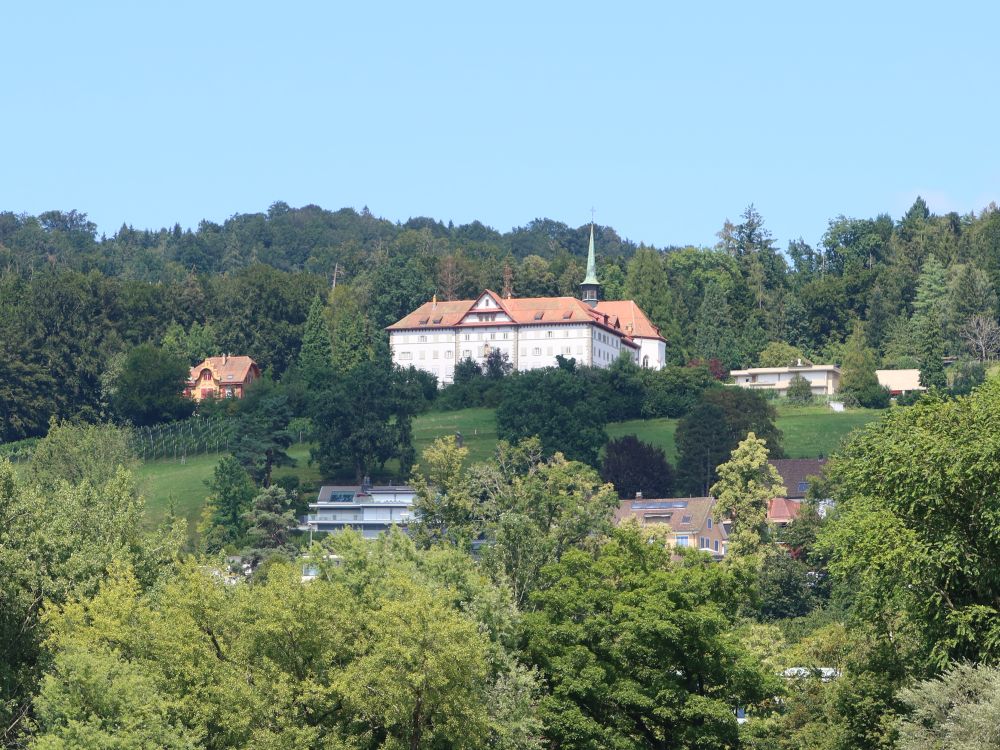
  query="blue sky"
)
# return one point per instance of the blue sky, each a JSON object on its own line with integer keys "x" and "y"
{"x": 667, "y": 118}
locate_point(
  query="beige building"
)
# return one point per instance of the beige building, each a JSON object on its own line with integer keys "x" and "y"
{"x": 685, "y": 521}
{"x": 823, "y": 379}
{"x": 899, "y": 381}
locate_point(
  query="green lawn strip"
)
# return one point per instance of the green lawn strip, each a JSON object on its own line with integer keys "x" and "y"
{"x": 809, "y": 432}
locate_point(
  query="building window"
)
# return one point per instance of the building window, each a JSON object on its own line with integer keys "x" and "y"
{"x": 505, "y": 335}
{"x": 466, "y": 353}
{"x": 803, "y": 486}
{"x": 579, "y": 348}
{"x": 716, "y": 545}
{"x": 569, "y": 350}
{"x": 537, "y": 351}
{"x": 493, "y": 337}
{"x": 709, "y": 523}
{"x": 448, "y": 354}
{"x": 406, "y": 355}
{"x": 549, "y": 352}
{"x": 421, "y": 339}
{"x": 434, "y": 354}
{"x": 422, "y": 355}
{"x": 681, "y": 540}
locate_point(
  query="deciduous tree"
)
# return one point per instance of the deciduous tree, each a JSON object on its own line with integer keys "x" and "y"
{"x": 747, "y": 482}
{"x": 633, "y": 466}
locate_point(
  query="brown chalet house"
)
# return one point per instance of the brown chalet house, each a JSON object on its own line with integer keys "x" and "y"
{"x": 687, "y": 521}
{"x": 221, "y": 377}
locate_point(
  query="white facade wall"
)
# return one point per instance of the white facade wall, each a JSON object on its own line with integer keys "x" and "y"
{"x": 652, "y": 353}
{"x": 822, "y": 382}
{"x": 528, "y": 347}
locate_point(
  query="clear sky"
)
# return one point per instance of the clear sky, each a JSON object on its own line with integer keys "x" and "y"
{"x": 667, "y": 118}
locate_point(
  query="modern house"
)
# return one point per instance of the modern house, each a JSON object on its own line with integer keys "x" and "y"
{"x": 687, "y": 521}
{"x": 365, "y": 508}
{"x": 221, "y": 377}
{"x": 530, "y": 331}
{"x": 899, "y": 381}
{"x": 824, "y": 380}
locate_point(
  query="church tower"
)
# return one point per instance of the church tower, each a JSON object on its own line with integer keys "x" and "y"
{"x": 590, "y": 288}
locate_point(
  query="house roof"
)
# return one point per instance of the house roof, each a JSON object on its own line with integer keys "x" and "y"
{"x": 783, "y": 510}
{"x": 631, "y": 317}
{"x": 521, "y": 310}
{"x": 899, "y": 381}
{"x": 783, "y": 370}
{"x": 795, "y": 472}
{"x": 327, "y": 491}
{"x": 684, "y": 515}
{"x": 225, "y": 369}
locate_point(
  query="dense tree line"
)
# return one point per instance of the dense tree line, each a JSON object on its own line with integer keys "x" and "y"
{"x": 73, "y": 304}
{"x": 514, "y": 614}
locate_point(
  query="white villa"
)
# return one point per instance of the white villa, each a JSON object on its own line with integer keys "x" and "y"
{"x": 530, "y": 331}
{"x": 366, "y": 508}
{"x": 823, "y": 379}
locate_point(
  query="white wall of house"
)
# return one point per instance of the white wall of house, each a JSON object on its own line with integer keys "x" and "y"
{"x": 652, "y": 353}
{"x": 528, "y": 347}
{"x": 822, "y": 381}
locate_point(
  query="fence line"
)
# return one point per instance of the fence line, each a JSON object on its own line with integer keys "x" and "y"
{"x": 178, "y": 440}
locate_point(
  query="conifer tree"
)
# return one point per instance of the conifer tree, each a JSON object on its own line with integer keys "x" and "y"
{"x": 858, "y": 380}
{"x": 315, "y": 357}
{"x": 714, "y": 338}
{"x": 355, "y": 339}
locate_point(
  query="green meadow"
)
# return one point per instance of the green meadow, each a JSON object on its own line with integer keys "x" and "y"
{"x": 179, "y": 487}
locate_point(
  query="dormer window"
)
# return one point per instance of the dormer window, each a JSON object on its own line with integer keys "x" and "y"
{"x": 423, "y": 321}
{"x": 538, "y": 315}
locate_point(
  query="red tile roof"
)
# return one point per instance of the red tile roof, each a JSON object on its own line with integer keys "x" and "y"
{"x": 631, "y": 317}
{"x": 224, "y": 369}
{"x": 521, "y": 310}
{"x": 783, "y": 510}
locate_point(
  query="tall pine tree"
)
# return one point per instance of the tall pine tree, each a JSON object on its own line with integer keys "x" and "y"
{"x": 714, "y": 337}
{"x": 315, "y": 357}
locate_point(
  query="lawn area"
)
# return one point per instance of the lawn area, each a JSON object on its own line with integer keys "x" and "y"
{"x": 168, "y": 484}
{"x": 816, "y": 431}
{"x": 809, "y": 432}
{"x": 478, "y": 428}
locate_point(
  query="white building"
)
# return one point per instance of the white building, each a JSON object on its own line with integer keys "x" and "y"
{"x": 899, "y": 381}
{"x": 532, "y": 331}
{"x": 823, "y": 379}
{"x": 370, "y": 510}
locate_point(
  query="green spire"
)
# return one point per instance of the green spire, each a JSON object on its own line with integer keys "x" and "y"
{"x": 591, "y": 261}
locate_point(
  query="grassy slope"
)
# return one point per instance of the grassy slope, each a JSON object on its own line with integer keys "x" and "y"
{"x": 808, "y": 432}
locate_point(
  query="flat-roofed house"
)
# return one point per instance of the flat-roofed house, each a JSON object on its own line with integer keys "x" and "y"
{"x": 687, "y": 520}
{"x": 899, "y": 381}
{"x": 824, "y": 380}
{"x": 370, "y": 509}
